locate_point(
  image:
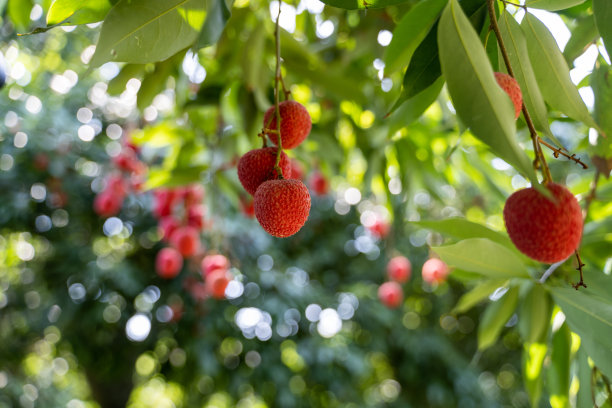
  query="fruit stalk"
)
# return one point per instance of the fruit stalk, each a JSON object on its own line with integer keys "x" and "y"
{"x": 276, "y": 94}
{"x": 532, "y": 131}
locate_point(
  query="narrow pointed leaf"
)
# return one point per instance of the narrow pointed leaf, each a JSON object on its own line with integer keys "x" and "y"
{"x": 410, "y": 32}
{"x": 552, "y": 72}
{"x": 362, "y": 4}
{"x": 495, "y": 318}
{"x": 77, "y": 11}
{"x": 216, "y": 18}
{"x": 141, "y": 31}
{"x": 480, "y": 102}
{"x": 516, "y": 46}
{"x": 477, "y": 294}
{"x": 552, "y": 5}
{"x": 601, "y": 82}
{"x": 461, "y": 228}
{"x": 534, "y": 314}
{"x": 533, "y": 361}
{"x": 559, "y": 370}
{"x": 483, "y": 256}
{"x": 583, "y": 399}
{"x": 602, "y": 9}
{"x": 583, "y": 35}
{"x": 413, "y": 108}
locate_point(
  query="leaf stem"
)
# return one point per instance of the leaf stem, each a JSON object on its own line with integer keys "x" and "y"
{"x": 557, "y": 152}
{"x": 277, "y": 79}
{"x": 579, "y": 269}
{"x": 539, "y": 161}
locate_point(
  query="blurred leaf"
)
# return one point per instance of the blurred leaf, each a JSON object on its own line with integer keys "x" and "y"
{"x": 601, "y": 82}
{"x": 252, "y": 64}
{"x": 117, "y": 85}
{"x": 534, "y": 314}
{"x": 159, "y": 135}
{"x": 558, "y": 373}
{"x": 584, "y": 34}
{"x": 19, "y": 12}
{"x": 412, "y": 109}
{"x": 479, "y": 101}
{"x": 461, "y": 228}
{"x": 478, "y": 293}
{"x": 602, "y": 9}
{"x": 141, "y": 31}
{"x": 410, "y": 32}
{"x": 175, "y": 178}
{"x": 533, "y": 361}
{"x": 77, "y": 11}
{"x": 483, "y": 256}
{"x": 216, "y": 18}
{"x": 552, "y": 72}
{"x": 584, "y": 374}
{"x": 516, "y": 47}
{"x": 552, "y": 5}
{"x": 362, "y": 4}
{"x": 495, "y": 318}
{"x": 154, "y": 82}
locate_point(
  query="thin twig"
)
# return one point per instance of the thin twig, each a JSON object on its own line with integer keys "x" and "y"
{"x": 514, "y": 4}
{"x": 277, "y": 96}
{"x": 557, "y": 152}
{"x": 579, "y": 269}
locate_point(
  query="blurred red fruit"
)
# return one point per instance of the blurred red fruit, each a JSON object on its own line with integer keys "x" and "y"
{"x": 216, "y": 283}
{"x": 391, "y": 294}
{"x": 168, "y": 263}
{"x": 212, "y": 263}
{"x": 434, "y": 271}
{"x": 247, "y": 207}
{"x": 41, "y": 161}
{"x": 318, "y": 183}
{"x": 116, "y": 185}
{"x": 195, "y": 216}
{"x": 380, "y": 228}
{"x": 194, "y": 195}
{"x": 168, "y": 225}
{"x": 163, "y": 201}
{"x": 399, "y": 269}
{"x": 297, "y": 171}
{"x": 106, "y": 204}
{"x": 186, "y": 240}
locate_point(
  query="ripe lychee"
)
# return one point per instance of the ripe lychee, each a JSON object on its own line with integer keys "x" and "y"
{"x": 167, "y": 225}
{"x": 434, "y": 271}
{"x": 186, "y": 240}
{"x": 168, "y": 263}
{"x": 399, "y": 269}
{"x": 107, "y": 204}
{"x": 390, "y": 294}
{"x": 297, "y": 171}
{"x": 380, "y": 228}
{"x": 544, "y": 230}
{"x": 257, "y": 166}
{"x": 282, "y": 206}
{"x": 212, "y": 263}
{"x": 512, "y": 88}
{"x": 295, "y": 124}
{"x": 216, "y": 283}
{"x": 318, "y": 183}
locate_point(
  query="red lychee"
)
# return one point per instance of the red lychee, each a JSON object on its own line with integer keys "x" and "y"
{"x": 168, "y": 263}
{"x": 186, "y": 240}
{"x": 212, "y": 263}
{"x": 246, "y": 206}
{"x": 380, "y": 228}
{"x": 167, "y": 225}
{"x": 107, "y": 204}
{"x": 195, "y": 216}
{"x": 295, "y": 124}
{"x": 297, "y": 171}
{"x": 318, "y": 183}
{"x": 257, "y": 166}
{"x": 390, "y": 294}
{"x": 282, "y": 206}
{"x": 512, "y": 88}
{"x": 216, "y": 283}
{"x": 544, "y": 230}
{"x": 399, "y": 269}
{"x": 434, "y": 271}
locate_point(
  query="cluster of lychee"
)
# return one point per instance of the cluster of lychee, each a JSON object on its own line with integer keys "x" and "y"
{"x": 127, "y": 177}
{"x": 281, "y": 203}
{"x": 181, "y": 219}
{"x": 546, "y": 229}
{"x": 399, "y": 270}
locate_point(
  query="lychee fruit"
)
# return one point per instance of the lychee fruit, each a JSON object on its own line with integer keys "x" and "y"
{"x": 107, "y": 204}
{"x": 545, "y": 230}
{"x": 186, "y": 240}
{"x": 257, "y": 166}
{"x": 167, "y": 225}
{"x": 195, "y": 216}
{"x": 390, "y": 294}
{"x": 246, "y": 207}
{"x": 216, "y": 283}
{"x": 434, "y": 271}
{"x": 318, "y": 183}
{"x": 295, "y": 124}
{"x": 512, "y": 88}
{"x": 399, "y": 269}
{"x": 212, "y": 263}
{"x": 282, "y": 206}
{"x": 168, "y": 263}
{"x": 380, "y": 228}
{"x": 297, "y": 171}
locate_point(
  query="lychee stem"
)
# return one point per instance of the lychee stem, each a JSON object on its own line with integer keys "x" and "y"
{"x": 579, "y": 269}
{"x": 277, "y": 96}
{"x": 558, "y": 151}
{"x": 537, "y": 149}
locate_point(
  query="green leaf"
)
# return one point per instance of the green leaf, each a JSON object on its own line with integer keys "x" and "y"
{"x": 129, "y": 71}
{"x": 154, "y": 82}
{"x": 601, "y": 82}
{"x": 480, "y": 102}
{"x": 410, "y": 32}
{"x": 483, "y": 256}
{"x": 19, "y": 12}
{"x": 141, "y": 31}
{"x": 602, "y": 9}
{"x": 77, "y": 11}
{"x": 413, "y": 108}
{"x": 478, "y": 293}
{"x": 559, "y": 371}
{"x": 495, "y": 318}
{"x": 552, "y": 71}
{"x": 516, "y": 47}
{"x": 552, "y": 5}
{"x": 534, "y": 314}
{"x": 584, "y": 374}
{"x": 362, "y": 4}
{"x": 461, "y": 228}
{"x": 533, "y": 361}
{"x": 583, "y": 35}
{"x": 216, "y": 18}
